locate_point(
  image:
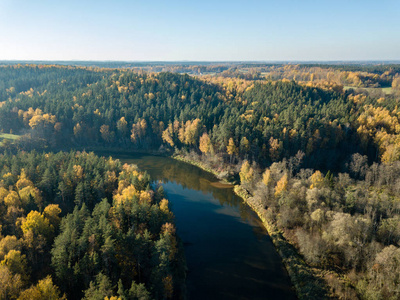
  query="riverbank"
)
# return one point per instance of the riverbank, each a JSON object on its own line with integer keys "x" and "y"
{"x": 200, "y": 165}
{"x": 308, "y": 282}
{"x": 237, "y": 257}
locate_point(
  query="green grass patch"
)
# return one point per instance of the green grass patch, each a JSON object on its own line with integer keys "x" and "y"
{"x": 387, "y": 90}
{"x": 9, "y": 136}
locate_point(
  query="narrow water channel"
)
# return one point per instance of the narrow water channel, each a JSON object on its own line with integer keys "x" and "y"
{"x": 229, "y": 254}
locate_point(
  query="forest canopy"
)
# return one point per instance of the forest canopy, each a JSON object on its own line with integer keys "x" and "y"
{"x": 77, "y": 225}
{"x": 317, "y": 147}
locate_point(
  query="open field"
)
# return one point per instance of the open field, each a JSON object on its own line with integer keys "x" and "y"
{"x": 8, "y": 136}
{"x": 386, "y": 90}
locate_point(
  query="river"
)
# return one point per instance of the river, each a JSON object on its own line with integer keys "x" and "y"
{"x": 229, "y": 253}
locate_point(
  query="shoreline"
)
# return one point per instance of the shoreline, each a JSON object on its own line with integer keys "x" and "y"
{"x": 307, "y": 281}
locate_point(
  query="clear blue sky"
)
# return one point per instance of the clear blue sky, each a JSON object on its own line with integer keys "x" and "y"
{"x": 202, "y": 30}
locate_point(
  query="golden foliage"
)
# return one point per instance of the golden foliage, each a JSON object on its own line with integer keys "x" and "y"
{"x": 244, "y": 145}
{"x": 36, "y": 223}
{"x": 78, "y": 171}
{"x": 266, "y": 179}
{"x": 231, "y": 149}
{"x": 317, "y": 179}
{"x": 168, "y": 134}
{"x": 122, "y": 125}
{"x": 146, "y": 197}
{"x": 23, "y": 181}
{"x": 3, "y": 193}
{"x": 383, "y": 127}
{"x": 12, "y": 199}
{"x": 246, "y": 173}
{"x": 15, "y": 262}
{"x": 205, "y": 143}
{"x": 10, "y": 284}
{"x": 52, "y": 212}
{"x": 281, "y": 185}
{"x": 30, "y": 191}
{"x": 164, "y": 205}
{"x": 41, "y": 120}
{"x": 8, "y": 243}
{"x": 126, "y": 196}
{"x": 188, "y": 133}
{"x": 275, "y": 148}
{"x": 45, "y": 289}
{"x": 138, "y": 130}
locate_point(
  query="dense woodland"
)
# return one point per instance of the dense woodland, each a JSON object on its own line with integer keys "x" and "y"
{"x": 323, "y": 159}
{"x": 74, "y": 225}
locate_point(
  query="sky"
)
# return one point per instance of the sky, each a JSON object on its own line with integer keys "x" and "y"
{"x": 202, "y": 30}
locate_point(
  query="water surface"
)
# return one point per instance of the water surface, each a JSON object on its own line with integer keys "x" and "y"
{"x": 229, "y": 253}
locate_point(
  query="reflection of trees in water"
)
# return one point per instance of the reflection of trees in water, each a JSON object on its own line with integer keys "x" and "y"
{"x": 191, "y": 177}
{"x": 194, "y": 178}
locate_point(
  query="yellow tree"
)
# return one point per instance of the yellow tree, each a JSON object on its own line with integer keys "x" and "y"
{"x": 138, "y": 131}
{"x": 8, "y": 243}
{"x": 168, "y": 135}
{"x": 16, "y": 263}
{"x": 275, "y": 149}
{"x": 188, "y": 133}
{"x": 143, "y": 127}
{"x": 231, "y": 149}
{"x": 44, "y": 289}
{"x": 28, "y": 193}
{"x": 391, "y": 154}
{"x": 205, "y": 143}
{"x": 396, "y": 85}
{"x": 12, "y": 199}
{"x": 10, "y": 284}
{"x": 281, "y": 185}
{"x": 181, "y": 134}
{"x": 246, "y": 173}
{"x": 36, "y": 223}
{"x": 51, "y": 213}
{"x": 3, "y": 193}
{"x": 266, "y": 179}
{"x": 317, "y": 180}
{"x": 122, "y": 126}
{"x": 23, "y": 181}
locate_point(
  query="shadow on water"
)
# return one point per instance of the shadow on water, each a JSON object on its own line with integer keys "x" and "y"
{"x": 229, "y": 254}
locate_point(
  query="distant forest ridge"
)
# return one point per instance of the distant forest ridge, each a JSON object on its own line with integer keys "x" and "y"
{"x": 129, "y": 64}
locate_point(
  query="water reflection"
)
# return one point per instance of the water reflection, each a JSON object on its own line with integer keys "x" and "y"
{"x": 229, "y": 254}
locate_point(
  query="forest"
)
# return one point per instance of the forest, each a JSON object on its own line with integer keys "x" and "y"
{"x": 74, "y": 225}
{"x": 317, "y": 146}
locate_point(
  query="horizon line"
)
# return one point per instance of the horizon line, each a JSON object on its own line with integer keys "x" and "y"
{"x": 206, "y": 61}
